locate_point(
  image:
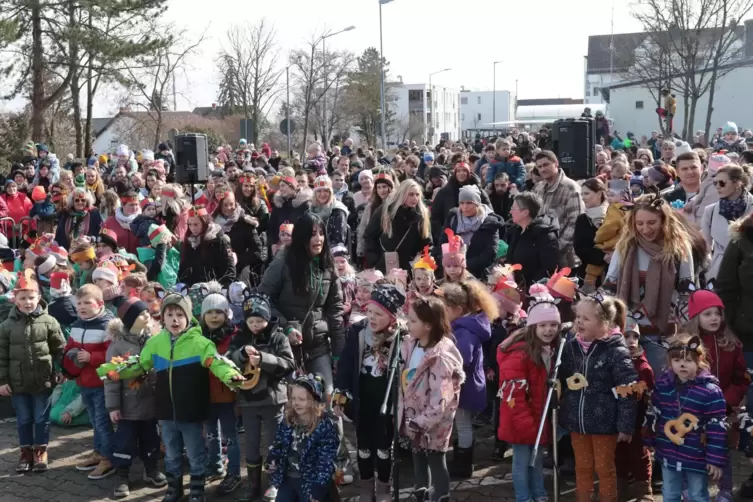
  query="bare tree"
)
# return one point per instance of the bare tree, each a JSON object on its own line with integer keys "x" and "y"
{"x": 408, "y": 128}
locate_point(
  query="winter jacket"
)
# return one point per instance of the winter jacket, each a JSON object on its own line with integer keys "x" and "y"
{"x": 701, "y": 398}
{"x": 316, "y": 453}
{"x": 89, "y": 335}
{"x": 535, "y": 248}
{"x": 737, "y": 146}
{"x": 729, "y": 367}
{"x": 134, "y": 397}
{"x": 320, "y": 312}
{"x": 44, "y": 209}
{"x": 583, "y": 244}
{"x": 140, "y": 229}
{"x": 221, "y": 338}
{"x": 646, "y": 375}
{"x": 18, "y": 206}
{"x": 513, "y": 166}
{"x": 471, "y": 332}
{"x": 286, "y": 210}
{"x": 596, "y": 409}
{"x": 562, "y": 199}
{"x": 523, "y": 389}
{"x": 31, "y": 351}
{"x": 406, "y": 238}
{"x": 363, "y": 222}
{"x": 247, "y": 244}
{"x": 431, "y": 397}
{"x": 336, "y": 224}
{"x": 210, "y": 261}
{"x": 481, "y": 252}
{"x": 126, "y": 238}
{"x": 502, "y": 203}
{"x": 182, "y": 366}
{"x": 92, "y": 224}
{"x": 675, "y": 194}
{"x": 63, "y": 309}
{"x": 447, "y": 198}
{"x": 67, "y": 398}
{"x": 716, "y": 232}
{"x": 276, "y": 364}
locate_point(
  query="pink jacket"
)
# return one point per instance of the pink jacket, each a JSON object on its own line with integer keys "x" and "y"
{"x": 431, "y": 397}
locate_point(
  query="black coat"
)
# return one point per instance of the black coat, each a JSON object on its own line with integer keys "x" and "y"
{"x": 336, "y": 225}
{"x": 406, "y": 227}
{"x": 211, "y": 261}
{"x": 536, "y": 249}
{"x": 286, "y": 210}
{"x": 448, "y": 198}
{"x": 482, "y": 250}
{"x": 248, "y": 245}
{"x": 583, "y": 244}
{"x": 502, "y": 203}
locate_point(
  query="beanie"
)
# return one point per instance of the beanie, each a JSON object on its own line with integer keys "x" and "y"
{"x": 428, "y": 157}
{"x": 257, "y": 305}
{"x": 388, "y": 297}
{"x": 107, "y": 236}
{"x": 215, "y": 301}
{"x": 470, "y": 193}
{"x": 631, "y": 325}
{"x": 80, "y": 180}
{"x": 384, "y": 178}
{"x": 106, "y": 271}
{"x": 159, "y": 234}
{"x": 38, "y": 194}
{"x": 682, "y": 147}
{"x": 59, "y": 285}
{"x": 314, "y": 384}
{"x": 178, "y": 300}
{"x": 122, "y": 151}
{"x": 701, "y": 300}
{"x": 542, "y": 307}
{"x": 657, "y": 172}
{"x": 729, "y": 128}
{"x": 366, "y": 173}
{"x": 102, "y": 160}
{"x": 129, "y": 310}
{"x": 46, "y": 267}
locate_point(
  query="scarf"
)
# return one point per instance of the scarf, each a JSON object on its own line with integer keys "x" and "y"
{"x": 111, "y": 292}
{"x": 123, "y": 220}
{"x": 339, "y": 193}
{"x": 597, "y": 214}
{"x": 194, "y": 240}
{"x": 227, "y": 222}
{"x": 323, "y": 212}
{"x": 78, "y": 223}
{"x": 467, "y": 226}
{"x": 733, "y": 209}
{"x": 657, "y": 296}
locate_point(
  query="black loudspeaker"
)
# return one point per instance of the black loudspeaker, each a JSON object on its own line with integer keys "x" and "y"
{"x": 573, "y": 142}
{"x": 191, "y": 158}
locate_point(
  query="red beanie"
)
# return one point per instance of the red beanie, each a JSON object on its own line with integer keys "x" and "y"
{"x": 701, "y": 300}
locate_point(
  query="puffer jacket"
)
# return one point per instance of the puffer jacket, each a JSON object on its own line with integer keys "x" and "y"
{"x": 89, "y": 335}
{"x": 535, "y": 249}
{"x": 513, "y": 166}
{"x": 246, "y": 243}
{"x": 320, "y": 311}
{"x": 471, "y": 332}
{"x": 431, "y": 396}
{"x": 729, "y": 367}
{"x": 210, "y": 261}
{"x": 734, "y": 281}
{"x": 31, "y": 348}
{"x": 286, "y": 210}
{"x": 133, "y": 397}
{"x": 447, "y": 198}
{"x": 595, "y": 409}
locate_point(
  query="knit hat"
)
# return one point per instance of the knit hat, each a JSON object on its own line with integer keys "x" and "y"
{"x": 453, "y": 251}
{"x": 257, "y": 305}
{"x": 682, "y": 147}
{"x": 59, "y": 252}
{"x": 470, "y": 193}
{"x": 79, "y": 180}
{"x": 729, "y": 127}
{"x": 561, "y": 286}
{"x": 91, "y": 161}
{"x": 146, "y": 202}
{"x": 46, "y": 267}
{"x": 159, "y": 234}
{"x": 425, "y": 261}
{"x": 428, "y": 157}
{"x": 340, "y": 250}
{"x": 147, "y": 156}
{"x": 107, "y": 271}
{"x": 701, "y": 300}
{"x": 389, "y": 297}
{"x": 366, "y": 173}
{"x": 636, "y": 179}
{"x": 462, "y": 166}
{"x": 102, "y": 160}
{"x": 631, "y": 325}
{"x": 38, "y": 194}
{"x": 179, "y": 300}
{"x": 383, "y": 177}
{"x": 542, "y": 307}
{"x": 123, "y": 151}
{"x": 129, "y": 310}
{"x": 215, "y": 301}
{"x": 314, "y": 384}
{"x": 107, "y": 236}
{"x": 717, "y": 160}
{"x": 368, "y": 277}
{"x": 322, "y": 183}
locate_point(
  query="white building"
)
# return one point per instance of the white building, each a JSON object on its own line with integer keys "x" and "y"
{"x": 418, "y": 118}
{"x": 480, "y": 108}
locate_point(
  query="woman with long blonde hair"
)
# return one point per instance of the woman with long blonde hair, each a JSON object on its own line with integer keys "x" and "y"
{"x": 398, "y": 230}
{"x": 654, "y": 244}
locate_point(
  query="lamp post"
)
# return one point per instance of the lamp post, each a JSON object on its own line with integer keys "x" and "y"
{"x": 494, "y": 98}
{"x": 324, "y": 67}
{"x": 383, "y": 113}
{"x": 287, "y": 112}
{"x": 431, "y": 103}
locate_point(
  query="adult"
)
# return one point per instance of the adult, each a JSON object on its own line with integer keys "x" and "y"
{"x": 668, "y": 151}
{"x": 366, "y": 182}
{"x": 532, "y": 239}
{"x": 120, "y": 221}
{"x": 18, "y": 204}
{"x": 306, "y": 298}
{"x": 333, "y": 213}
{"x": 409, "y": 169}
{"x": 560, "y": 197}
{"x": 400, "y": 226}
{"x": 80, "y": 219}
{"x": 688, "y": 167}
{"x": 448, "y": 196}
{"x": 479, "y": 228}
{"x": 645, "y": 155}
{"x": 384, "y": 184}
{"x": 735, "y": 202}
{"x": 152, "y": 177}
{"x": 288, "y": 204}
{"x": 93, "y": 182}
{"x": 206, "y": 254}
{"x": 594, "y": 195}
{"x": 245, "y": 238}
{"x": 247, "y": 196}
{"x": 651, "y": 270}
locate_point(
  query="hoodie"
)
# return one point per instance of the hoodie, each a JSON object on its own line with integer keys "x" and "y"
{"x": 471, "y": 332}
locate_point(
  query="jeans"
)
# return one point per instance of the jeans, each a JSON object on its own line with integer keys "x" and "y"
{"x": 32, "y": 418}
{"x": 94, "y": 400}
{"x": 175, "y": 435}
{"x": 464, "y": 427}
{"x": 697, "y": 485}
{"x": 222, "y": 418}
{"x": 656, "y": 354}
{"x": 528, "y": 481}
{"x": 254, "y": 418}
{"x": 136, "y": 436}
{"x": 430, "y": 468}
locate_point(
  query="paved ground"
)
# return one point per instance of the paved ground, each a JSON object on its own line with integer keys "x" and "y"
{"x": 491, "y": 480}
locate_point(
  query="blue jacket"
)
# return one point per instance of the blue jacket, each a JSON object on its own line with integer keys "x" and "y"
{"x": 595, "y": 409}
{"x": 512, "y": 165}
{"x": 471, "y": 332}
{"x": 702, "y": 398}
{"x": 44, "y": 209}
{"x": 317, "y": 457}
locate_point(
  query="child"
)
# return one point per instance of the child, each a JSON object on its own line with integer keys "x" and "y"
{"x": 84, "y": 352}
{"x": 346, "y": 276}
{"x": 429, "y": 394}
{"x": 505, "y": 162}
{"x": 131, "y": 403}
{"x": 362, "y": 376}
{"x": 633, "y": 460}
{"x": 619, "y": 197}
{"x": 31, "y": 350}
{"x": 286, "y": 238}
{"x": 262, "y": 347}
{"x": 133, "y": 284}
{"x": 42, "y": 210}
{"x": 687, "y": 393}
{"x": 724, "y": 355}
{"x": 216, "y": 326}
{"x": 423, "y": 283}
{"x": 453, "y": 259}
{"x": 365, "y": 281}
{"x": 85, "y": 261}
{"x": 63, "y": 304}
{"x": 183, "y": 359}
{"x": 107, "y": 278}
{"x": 596, "y": 365}
{"x": 152, "y": 295}
{"x": 236, "y": 295}
{"x": 107, "y": 244}
{"x": 301, "y": 458}
{"x": 525, "y": 361}
{"x": 470, "y": 309}
{"x": 148, "y": 217}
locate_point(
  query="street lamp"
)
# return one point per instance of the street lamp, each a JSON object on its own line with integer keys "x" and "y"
{"x": 324, "y": 67}
{"x": 287, "y": 113}
{"x": 381, "y": 79}
{"x": 431, "y": 103}
{"x": 494, "y": 98}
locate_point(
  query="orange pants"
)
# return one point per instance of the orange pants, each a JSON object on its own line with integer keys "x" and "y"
{"x": 595, "y": 452}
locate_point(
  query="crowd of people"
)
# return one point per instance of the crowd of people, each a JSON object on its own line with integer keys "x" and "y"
{"x": 271, "y": 300}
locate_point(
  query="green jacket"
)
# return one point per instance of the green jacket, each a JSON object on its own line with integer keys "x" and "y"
{"x": 31, "y": 351}
{"x": 182, "y": 366}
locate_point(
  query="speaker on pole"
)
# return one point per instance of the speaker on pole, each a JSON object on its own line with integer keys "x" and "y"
{"x": 191, "y": 158}
{"x": 573, "y": 142}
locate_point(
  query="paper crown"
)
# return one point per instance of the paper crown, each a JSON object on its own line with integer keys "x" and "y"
{"x": 286, "y": 227}
{"x": 246, "y": 178}
{"x": 197, "y": 212}
{"x": 108, "y": 236}
{"x": 425, "y": 261}
{"x": 504, "y": 288}
{"x": 561, "y": 286}
{"x": 454, "y": 244}
{"x": 57, "y": 279}
{"x": 158, "y": 234}
{"x": 27, "y": 281}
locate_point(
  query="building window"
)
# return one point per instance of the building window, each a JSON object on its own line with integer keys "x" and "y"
{"x": 639, "y": 105}
{"x": 479, "y": 99}
{"x": 588, "y": 93}
{"x": 463, "y": 101}
{"x": 596, "y": 91}
{"x": 462, "y": 117}
{"x": 479, "y": 115}
{"x": 414, "y": 95}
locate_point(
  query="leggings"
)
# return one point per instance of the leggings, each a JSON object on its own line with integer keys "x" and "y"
{"x": 430, "y": 468}
{"x": 595, "y": 452}
{"x": 464, "y": 427}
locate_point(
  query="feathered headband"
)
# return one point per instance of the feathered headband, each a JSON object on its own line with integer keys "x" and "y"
{"x": 562, "y": 286}
{"x": 425, "y": 261}
{"x": 197, "y": 212}
{"x": 27, "y": 281}
{"x": 454, "y": 244}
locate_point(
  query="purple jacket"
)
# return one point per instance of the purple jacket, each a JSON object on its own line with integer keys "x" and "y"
{"x": 471, "y": 332}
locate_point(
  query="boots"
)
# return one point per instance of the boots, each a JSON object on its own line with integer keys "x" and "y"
{"x": 642, "y": 491}
{"x": 420, "y": 495}
{"x": 196, "y": 493}
{"x": 121, "y": 489}
{"x": 40, "y": 458}
{"x": 27, "y": 459}
{"x": 174, "y": 488}
{"x": 383, "y": 492}
{"x": 624, "y": 491}
{"x": 462, "y": 463}
{"x": 365, "y": 490}
{"x": 253, "y": 483}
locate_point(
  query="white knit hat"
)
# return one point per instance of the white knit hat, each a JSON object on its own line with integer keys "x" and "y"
{"x": 106, "y": 271}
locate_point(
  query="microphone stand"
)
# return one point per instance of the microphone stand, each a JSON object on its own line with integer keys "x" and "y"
{"x": 393, "y": 387}
{"x": 554, "y": 404}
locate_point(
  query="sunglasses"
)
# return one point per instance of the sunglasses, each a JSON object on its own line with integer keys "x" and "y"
{"x": 79, "y": 200}
{"x": 720, "y": 183}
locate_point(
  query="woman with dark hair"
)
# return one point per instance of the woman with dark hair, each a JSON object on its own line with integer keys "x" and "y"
{"x": 384, "y": 184}
{"x": 81, "y": 218}
{"x": 206, "y": 254}
{"x": 245, "y": 240}
{"x": 305, "y": 297}
{"x": 594, "y": 195}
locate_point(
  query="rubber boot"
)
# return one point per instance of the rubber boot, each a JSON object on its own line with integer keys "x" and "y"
{"x": 642, "y": 491}
{"x": 196, "y": 489}
{"x": 462, "y": 463}
{"x": 383, "y": 492}
{"x": 253, "y": 483}
{"x": 174, "y": 488}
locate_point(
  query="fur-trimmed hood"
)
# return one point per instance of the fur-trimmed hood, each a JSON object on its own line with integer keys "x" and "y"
{"x": 212, "y": 232}
{"x": 741, "y": 228}
{"x": 116, "y": 331}
{"x": 302, "y": 196}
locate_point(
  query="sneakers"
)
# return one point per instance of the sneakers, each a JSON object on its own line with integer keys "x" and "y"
{"x": 155, "y": 477}
{"x": 270, "y": 495}
{"x": 215, "y": 474}
{"x": 229, "y": 484}
{"x": 26, "y": 460}
{"x": 40, "y": 458}
{"x": 90, "y": 462}
{"x": 103, "y": 470}
{"x": 121, "y": 489}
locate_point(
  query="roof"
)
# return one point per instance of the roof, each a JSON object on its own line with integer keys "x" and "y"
{"x": 553, "y": 112}
{"x": 100, "y": 125}
{"x": 632, "y": 83}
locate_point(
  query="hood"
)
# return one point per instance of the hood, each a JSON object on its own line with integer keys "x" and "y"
{"x": 493, "y": 221}
{"x": 446, "y": 349}
{"x": 342, "y": 207}
{"x": 703, "y": 378}
{"x": 116, "y": 331}
{"x": 303, "y": 196}
{"x": 613, "y": 340}
{"x": 213, "y": 232}
{"x": 545, "y": 223}
{"x": 741, "y": 228}
{"x": 477, "y": 324}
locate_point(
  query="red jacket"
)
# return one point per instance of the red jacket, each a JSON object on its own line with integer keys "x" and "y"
{"x": 218, "y": 391}
{"x": 523, "y": 389}
{"x": 89, "y": 335}
{"x": 18, "y": 205}
{"x": 729, "y": 367}
{"x": 645, "y": 374}
{"x": 126, "y": 239}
